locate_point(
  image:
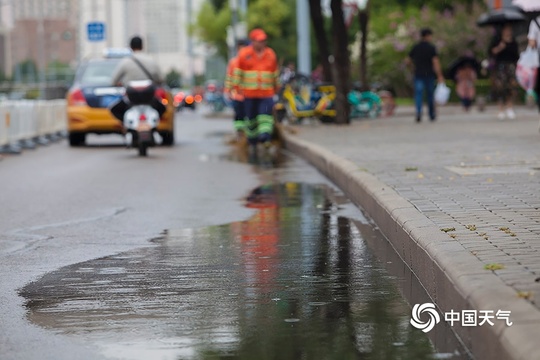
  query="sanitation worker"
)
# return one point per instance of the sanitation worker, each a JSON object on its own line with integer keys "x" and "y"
{"x": 257, "y": 77}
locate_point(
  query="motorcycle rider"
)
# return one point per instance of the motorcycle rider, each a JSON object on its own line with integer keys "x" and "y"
{"x": 257, "y": 76}
{"x": 138, "y": 66}
{"x": 235, "y": 93}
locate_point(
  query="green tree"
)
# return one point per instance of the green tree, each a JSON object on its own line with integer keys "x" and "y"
{"x": 173, "y": 79}
{"x": 434, "y": 4}
{"x": 26, "y": 71}
{"x": 276, "y": 18}
{"x": 394, "y": 30}
{"x": 59, "y": 71}
{"x": 210, "y": 26}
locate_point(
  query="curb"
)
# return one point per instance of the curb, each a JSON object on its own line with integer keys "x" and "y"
{"x": 453, "y": 277}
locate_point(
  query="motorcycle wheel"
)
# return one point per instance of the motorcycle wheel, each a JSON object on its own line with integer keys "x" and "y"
{"x": 143, "y": 149}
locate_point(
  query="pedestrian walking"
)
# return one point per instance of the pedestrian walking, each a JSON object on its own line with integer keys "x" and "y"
{"x": 427, "y": 69}
{"x": 257, "y": 75}
{"x": 534, "y": 41}
{"x": 234, "y": 93}
{"x": 504, "y": 53}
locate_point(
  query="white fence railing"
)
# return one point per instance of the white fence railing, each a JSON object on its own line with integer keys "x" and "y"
{"x": 25, "y": 123}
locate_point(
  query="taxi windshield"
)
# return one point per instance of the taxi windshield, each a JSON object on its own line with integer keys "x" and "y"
{"x": 98, "y": 72}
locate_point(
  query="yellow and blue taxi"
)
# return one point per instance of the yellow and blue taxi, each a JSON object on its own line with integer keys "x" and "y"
{"x": 91, "y": 94}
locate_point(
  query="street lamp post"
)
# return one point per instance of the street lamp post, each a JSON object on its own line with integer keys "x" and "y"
{"x": 233, "y": 4}
{"x": 303, "y": 40}
{"x": 363, "y": 18}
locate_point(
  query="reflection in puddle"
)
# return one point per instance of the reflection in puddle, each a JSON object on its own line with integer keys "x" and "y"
{"x": 295, "y": 281}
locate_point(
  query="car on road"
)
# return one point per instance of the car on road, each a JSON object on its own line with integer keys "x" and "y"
{"x": 186, "y": 99}
{"x": 91, "y": 94}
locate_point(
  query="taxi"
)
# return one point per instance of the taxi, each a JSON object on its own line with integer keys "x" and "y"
{"x": 91, "y": 94}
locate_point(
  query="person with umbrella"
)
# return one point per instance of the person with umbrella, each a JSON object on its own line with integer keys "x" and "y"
{"x": 504, "y": 52}
{"x": 464, "y": 71}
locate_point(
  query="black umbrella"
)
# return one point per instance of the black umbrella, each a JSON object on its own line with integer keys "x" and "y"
{"x": 460, "y": 62}
{"x": 500, "y": 16}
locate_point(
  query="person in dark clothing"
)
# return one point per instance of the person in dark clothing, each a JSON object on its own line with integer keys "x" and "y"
{"x": 504, "y": 52}
{"x": 427, "y": 69}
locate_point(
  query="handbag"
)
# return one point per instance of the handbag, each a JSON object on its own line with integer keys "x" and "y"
{"x": 442, "y": 94}
{"x": 527, "y": 68}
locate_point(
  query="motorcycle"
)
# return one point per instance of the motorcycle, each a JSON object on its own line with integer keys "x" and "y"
{"x": 140, "y": 111}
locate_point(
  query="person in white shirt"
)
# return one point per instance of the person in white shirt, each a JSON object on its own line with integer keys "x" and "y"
{"x": 534, "y": 42}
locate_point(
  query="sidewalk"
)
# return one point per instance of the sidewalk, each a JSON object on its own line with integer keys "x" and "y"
{"x": 458, "y": 198}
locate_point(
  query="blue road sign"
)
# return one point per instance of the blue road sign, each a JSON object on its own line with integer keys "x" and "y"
{"x": 96, "y": 31}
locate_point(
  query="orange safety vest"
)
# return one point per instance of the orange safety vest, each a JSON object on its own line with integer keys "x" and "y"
{"x": 257, "y": 74}
{"x": 234, "y": 92}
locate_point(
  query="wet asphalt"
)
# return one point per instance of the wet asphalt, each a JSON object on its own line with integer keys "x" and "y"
{"x": 269, "y": 262}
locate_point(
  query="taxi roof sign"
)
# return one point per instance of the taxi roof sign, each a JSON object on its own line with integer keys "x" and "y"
{"x": 111, "y": 53}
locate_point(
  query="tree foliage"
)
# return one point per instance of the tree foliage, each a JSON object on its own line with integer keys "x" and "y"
{"x": 173, "y": 79}
{"x": 276, "y": 17}
{"x": 394, "y": 30}
{"x": 210, "y": 26}
{"x": 434, "y": 4}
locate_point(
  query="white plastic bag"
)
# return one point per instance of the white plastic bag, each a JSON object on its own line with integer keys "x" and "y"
{"x": 527, "y": 68}
{"x": 442, "y": 94}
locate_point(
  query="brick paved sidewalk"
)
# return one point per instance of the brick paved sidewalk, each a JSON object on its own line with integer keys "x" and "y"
{"x": 472, "y": 175}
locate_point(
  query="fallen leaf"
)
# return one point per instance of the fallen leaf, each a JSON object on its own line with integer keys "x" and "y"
{"x": 493, "y": 266}
{"x": 524, "y": 294}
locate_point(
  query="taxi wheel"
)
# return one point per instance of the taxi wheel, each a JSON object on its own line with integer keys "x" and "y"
{"x": 77, "y": 139}
{"x": 168, "y": 138}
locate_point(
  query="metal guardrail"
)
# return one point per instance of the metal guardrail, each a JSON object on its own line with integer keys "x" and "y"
{"x": 24, "y": 124}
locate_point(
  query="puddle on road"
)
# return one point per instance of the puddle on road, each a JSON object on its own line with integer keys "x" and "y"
{"x": 295, "y": 281}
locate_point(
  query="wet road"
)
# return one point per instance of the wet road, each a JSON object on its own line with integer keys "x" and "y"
{"x": 295, "y": 281}
{"x": 267, "y": 262}
{"x": 60, "y": 206}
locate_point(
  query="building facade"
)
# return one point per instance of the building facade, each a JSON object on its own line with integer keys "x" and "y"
{"x": 38, "y": 32}
{"x": 163, "y": 25}
{"x": 45, "y": 31}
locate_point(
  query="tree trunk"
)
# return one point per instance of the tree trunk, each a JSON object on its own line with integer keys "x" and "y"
{"x": 341, "y": 62}
{"x": 317, "y": 20}
{"x": 363, "y": 18}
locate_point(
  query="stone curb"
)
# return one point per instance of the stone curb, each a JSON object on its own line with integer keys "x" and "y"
{"x": 452, "y": 276}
